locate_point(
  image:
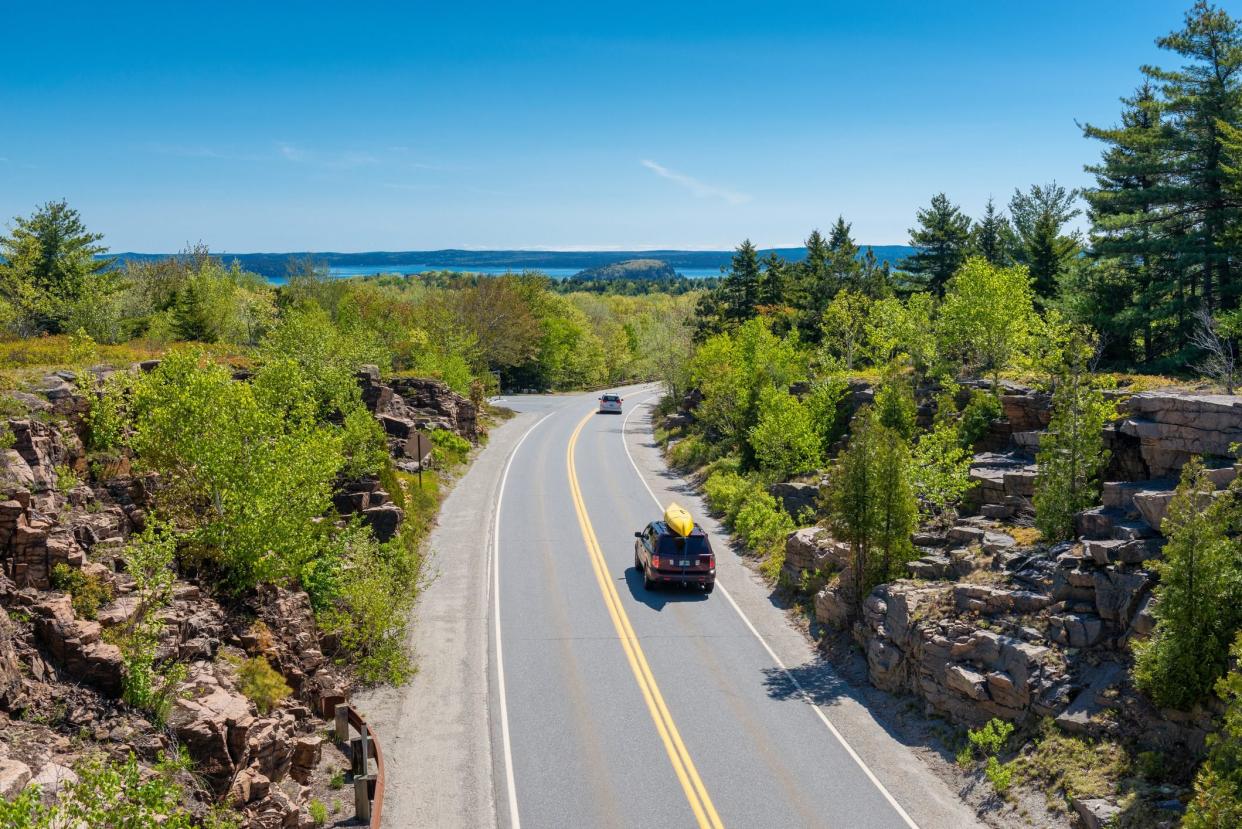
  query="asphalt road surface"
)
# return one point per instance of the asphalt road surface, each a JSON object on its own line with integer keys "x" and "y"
{"x": 619, "y": 706}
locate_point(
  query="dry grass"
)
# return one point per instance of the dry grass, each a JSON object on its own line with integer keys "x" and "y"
{"x": 1025, "y": 536}
{"x": 1066, "y": 766}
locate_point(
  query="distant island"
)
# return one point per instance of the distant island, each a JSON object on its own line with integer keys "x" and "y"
{"x": 690, "y": 262}
{"x": 630, "y": 269}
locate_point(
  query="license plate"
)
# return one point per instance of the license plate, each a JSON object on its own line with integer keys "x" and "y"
{"x": 683, "y": 564}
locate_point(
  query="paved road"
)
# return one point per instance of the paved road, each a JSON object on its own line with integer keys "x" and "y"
{"x": 614, "y": 706}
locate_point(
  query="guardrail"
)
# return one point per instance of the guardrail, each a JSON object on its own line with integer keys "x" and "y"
{"x": 368, "y": 786}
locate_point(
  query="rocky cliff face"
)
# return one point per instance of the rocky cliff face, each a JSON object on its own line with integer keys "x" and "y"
{"x": 989, "y": 627}
{"x": 60, "y": 673}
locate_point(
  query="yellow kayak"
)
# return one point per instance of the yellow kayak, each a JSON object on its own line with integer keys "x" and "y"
{"x": 678, "y": 519}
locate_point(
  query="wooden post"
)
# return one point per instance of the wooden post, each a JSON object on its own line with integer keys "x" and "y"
{"x": 358, "y": 756}
{"x": 342, "y": 723}
{"x": 362, "y": 798}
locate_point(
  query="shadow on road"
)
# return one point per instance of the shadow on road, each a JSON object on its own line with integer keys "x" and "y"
{"x": 656, "y": 599}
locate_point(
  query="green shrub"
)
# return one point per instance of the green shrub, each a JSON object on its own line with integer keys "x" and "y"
{"x": 7, "y": 438}
{"x": 112, "y": 795}
{"x": 1218, "y": 785}
{"x": 89, "y": 592}
{"x": 784, "y": 441}
{"x": 451, "y": 449}
{"x": 989, "y": 740}
{"x": 725, "y": 492}
{"x": 318, "y": 812}
{"x": 66, "y": 480}
{"x": 690, "y": 452}
{"x": 999, "y": 774}
{"x": 761, "y": 523}
{"x": 895, "y": 407}
{"x": 983, "y": 408}
{"x": 260, "y": 682}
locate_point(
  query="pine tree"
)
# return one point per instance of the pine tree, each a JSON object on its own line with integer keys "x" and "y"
{"x": 740, "y": 289}
{"x": 1135, "y": 295}
{"x": 1039, "y": 215}
{"x": 1071, "y": 453}
{"x": 941, "y": 241}
{"x": 46, "y": 263}
{"x": 843, "y": 263}
{"x": 872, "y": 503}
{"x": 1197, "y": 600}
{"x": 1199, "y": 97}
{"x": 992, "y": 237}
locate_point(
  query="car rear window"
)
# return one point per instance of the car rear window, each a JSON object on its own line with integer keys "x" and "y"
{"x": 611, "y": 398}
{"x": 677, "y": 545}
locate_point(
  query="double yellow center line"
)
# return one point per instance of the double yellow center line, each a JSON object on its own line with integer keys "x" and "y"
{"x": 696, "y": 793}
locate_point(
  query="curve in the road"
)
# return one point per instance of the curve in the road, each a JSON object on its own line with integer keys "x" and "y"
{"x": 793, "y": 680}
{"x": 683, "y": 766}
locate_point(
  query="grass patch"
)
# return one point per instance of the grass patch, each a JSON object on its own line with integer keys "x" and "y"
{"x": 1066, "y": 766}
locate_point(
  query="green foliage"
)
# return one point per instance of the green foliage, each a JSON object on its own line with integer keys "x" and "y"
{"x": 784, "y": 440}
{"x": 89, "y": 592}
{"x": 106, "y": 417}
{"x": 66, "y": 480}
{"x": 999, "y": 774}
{"x": 260, "y": 682}
{"x": 987, "y": 316}
{"x": 982, "y": 408}
{"x": 245, "y": 465}
{"x": 149, "y": 558}
{"x": 725, "y": 492}
{"x": 318, "y": 812}
{"x": 1198, "y": 602}
{"x": 941, "y": 244}
{"x": 844, "y": 326}
{"x": 111, "y": 795}
{"x": 45, "y": 264}
{"x": 829, "y": 418}
{"x": 940, "y": 468}
{"x": 896, "y": 330}
{"x": 732, "y": 370}
{"x": 752, "y": 514}
{"x": 989, "y": 740}
{"x": 452, "y": 449}
{"x": 1218, "y": 785}
{"x": 872, "y": 503}
{"x": 895, "y": 407}
{"x": 1071, "y": 453}
{"x": 690, "y": 452}
{"x": 367, "y": 609}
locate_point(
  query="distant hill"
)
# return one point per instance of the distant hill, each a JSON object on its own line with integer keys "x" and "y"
{"x": 630, "y": 269}
{"x": 275, "y": 265}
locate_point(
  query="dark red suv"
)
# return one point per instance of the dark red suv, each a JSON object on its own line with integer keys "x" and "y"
{"x": 664, "y": 557}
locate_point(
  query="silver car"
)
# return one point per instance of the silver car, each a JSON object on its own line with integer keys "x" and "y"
{"x": 610, "y": 404}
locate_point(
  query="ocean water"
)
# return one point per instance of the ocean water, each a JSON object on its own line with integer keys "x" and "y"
{"x": 414, "y": 267}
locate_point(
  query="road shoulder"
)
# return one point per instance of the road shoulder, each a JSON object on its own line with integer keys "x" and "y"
{"x": 435, "y": 730}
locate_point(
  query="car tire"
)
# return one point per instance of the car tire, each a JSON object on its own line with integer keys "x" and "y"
{"x": 648, "y": 584}
{"x": 707, "y": 588}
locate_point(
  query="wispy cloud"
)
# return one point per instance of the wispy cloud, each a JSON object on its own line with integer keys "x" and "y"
{"x": 347, "y": 160}
{"x": 700, "y": 189}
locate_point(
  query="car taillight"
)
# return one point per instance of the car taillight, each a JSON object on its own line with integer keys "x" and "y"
{"x": 710, "y": 561}
{"x": 655, "y": 562}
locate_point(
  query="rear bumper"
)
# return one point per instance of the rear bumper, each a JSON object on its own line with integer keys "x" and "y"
{"x": 687, "y": 579}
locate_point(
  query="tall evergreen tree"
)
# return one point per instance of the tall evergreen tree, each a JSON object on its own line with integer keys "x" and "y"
{"x": 992, "y": 237}
{"x": 1199, "y": 97}
{"x": 843, "y": 261}
{"x": 740, "y": 289}
{"x": 1039, "y": 215}
{"x": 46, "y": 264}
{"x": 1135, "y": 296}
{"x": 941, "y": 241}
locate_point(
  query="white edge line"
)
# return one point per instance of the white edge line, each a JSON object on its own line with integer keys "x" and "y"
{"x": 779, "y": 663}
{"x": 514, "y": 821}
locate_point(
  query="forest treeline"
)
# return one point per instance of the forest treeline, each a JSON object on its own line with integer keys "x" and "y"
{"x": 1156, "y": 274}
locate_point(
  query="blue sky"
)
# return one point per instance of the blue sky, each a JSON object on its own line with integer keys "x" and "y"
{"x": 369, "y": 126}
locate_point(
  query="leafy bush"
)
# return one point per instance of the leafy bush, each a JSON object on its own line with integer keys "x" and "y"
{"x": 66, "y": 480}
{"x": 761, "y": 523}
{"x": 940, "y": 469}
{"x": 895, "y": 408}
{"x": 982, "y": 408}
{"x": 725, "y": 492}
{"x": 89, "y": 592}
{"x": 784, "y": 440}
{"x": 148, "y": 558}
{"x": 452, "y": 449}
{"x": 990, "y": 740}
{"x": 318, "y": 812}
{"x": 112, "y": 795}
{"x": 999, "y": 774}
{"x": 260, "y": 682}
{"x": 690, "y": 452}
